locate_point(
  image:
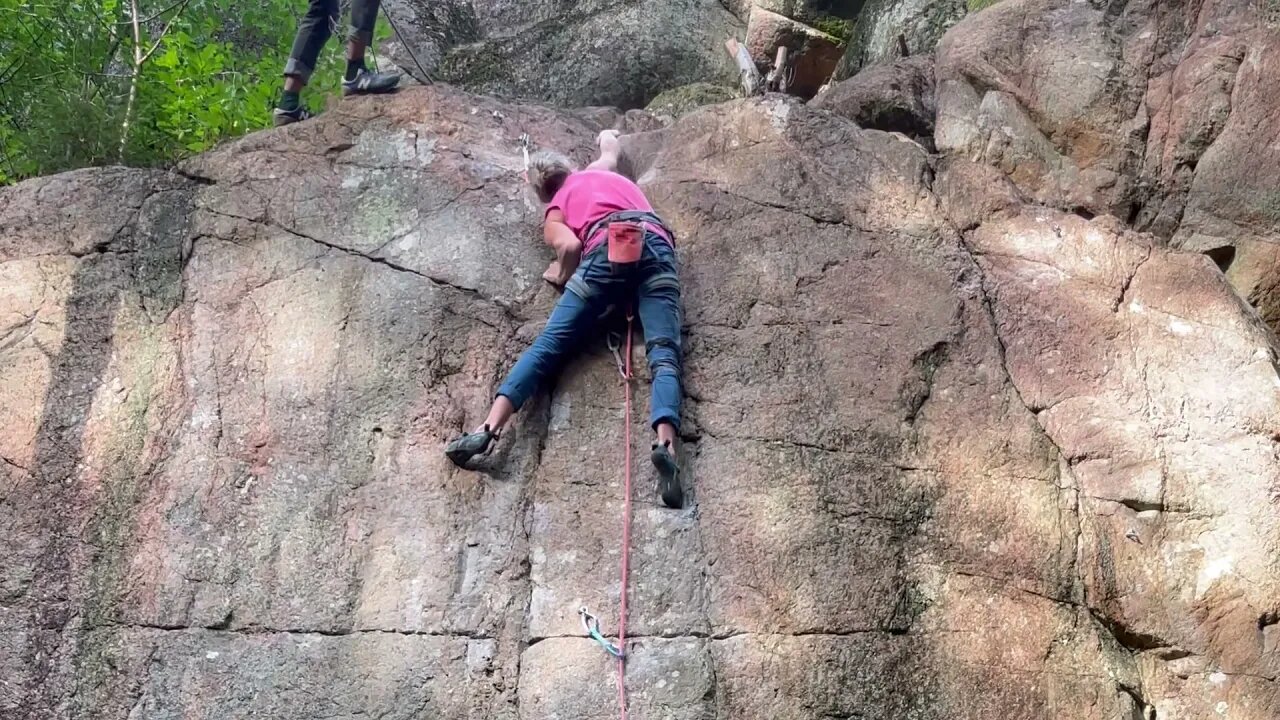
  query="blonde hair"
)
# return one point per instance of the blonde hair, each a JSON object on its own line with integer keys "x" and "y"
{"x": 547, "y": 172}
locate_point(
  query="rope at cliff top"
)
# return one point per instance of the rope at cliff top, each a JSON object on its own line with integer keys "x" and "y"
{"x": 405, "y": 42}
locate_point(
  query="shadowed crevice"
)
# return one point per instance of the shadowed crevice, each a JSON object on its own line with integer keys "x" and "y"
{"x": 67, "y": 557}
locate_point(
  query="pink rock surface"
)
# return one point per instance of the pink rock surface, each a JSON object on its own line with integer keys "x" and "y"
{"x": 951, "y": 454}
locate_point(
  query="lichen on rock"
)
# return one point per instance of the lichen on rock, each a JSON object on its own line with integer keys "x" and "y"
{"x": 687, "y": 98}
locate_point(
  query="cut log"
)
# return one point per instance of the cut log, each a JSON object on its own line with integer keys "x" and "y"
{"x": 752, "y": 83}
{"x": 780, "y": 76}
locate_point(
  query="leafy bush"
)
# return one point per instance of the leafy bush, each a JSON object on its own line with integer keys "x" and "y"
{"x": 214, "y": 73}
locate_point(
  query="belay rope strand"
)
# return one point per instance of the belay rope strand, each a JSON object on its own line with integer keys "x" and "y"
{"x": 622, "y": 355}
{"x": 590, "y": 624}
{"x": 626, "y": 525}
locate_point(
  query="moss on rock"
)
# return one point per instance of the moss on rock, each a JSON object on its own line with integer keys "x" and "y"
{"x": 682, "y": 100}
{"x": 476, "y": 66}
{"x": 838, "y": 28}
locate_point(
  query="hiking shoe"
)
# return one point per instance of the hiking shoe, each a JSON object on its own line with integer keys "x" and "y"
{"x": 367, "y": 83}
{"x": 668, "y": 476}
{"x": 461, "y": 451}
{"x": 282, "y": 117}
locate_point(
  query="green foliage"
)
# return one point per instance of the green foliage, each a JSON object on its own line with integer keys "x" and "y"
{"x": 214, "y": 73}
{"x": 839, "y": 28}
{"x": 976, "y": 5}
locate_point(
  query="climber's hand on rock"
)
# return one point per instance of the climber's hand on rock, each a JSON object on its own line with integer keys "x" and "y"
{"x": 608, "y": 141}
{"x": 608, "y": 135}
{"x": 556, "y": 275}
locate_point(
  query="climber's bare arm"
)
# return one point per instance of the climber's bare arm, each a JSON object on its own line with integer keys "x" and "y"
{"x": 567, "y": 246}
{"x": 610, "y": 150}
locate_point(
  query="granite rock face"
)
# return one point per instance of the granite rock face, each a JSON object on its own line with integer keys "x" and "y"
{"x": 892, "y": 29}
{"x": 587, "y": 52}
{"x": 953, "y": 451}
{"x": 1159, "y": 114}
{"x": 895, "y": 96}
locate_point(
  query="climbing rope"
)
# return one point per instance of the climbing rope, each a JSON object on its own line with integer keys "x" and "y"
{"x": 426, "y": 76}
{"x": 626, "y": 526}
{"x": 589, "y": 622}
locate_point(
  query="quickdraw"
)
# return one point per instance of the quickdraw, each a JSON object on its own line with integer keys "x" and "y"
{"x": 591, "y": 626}
{"x": 525, "y": 143}
{"x": 614, "y": 340}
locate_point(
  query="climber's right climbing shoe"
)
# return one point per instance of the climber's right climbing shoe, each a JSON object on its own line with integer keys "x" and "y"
{"x": 461, "y": 451}
{"x": 668, "y": 476}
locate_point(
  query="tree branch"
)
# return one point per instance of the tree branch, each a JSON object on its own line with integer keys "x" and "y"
{"x": 180, "y": 5}
{"x": 159, "y": 14}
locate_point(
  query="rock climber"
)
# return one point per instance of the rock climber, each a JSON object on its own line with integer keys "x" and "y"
{"x": 314, "y": 30}
{"x": 610, "y": 250}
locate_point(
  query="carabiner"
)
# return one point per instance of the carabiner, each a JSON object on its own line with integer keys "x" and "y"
{"x": 614, "y": 341}
{"x": 525, "y": 143}
{"x": 591, "y": 626}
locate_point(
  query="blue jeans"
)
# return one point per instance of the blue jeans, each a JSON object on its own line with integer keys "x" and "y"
{"x": 654, "y": 288}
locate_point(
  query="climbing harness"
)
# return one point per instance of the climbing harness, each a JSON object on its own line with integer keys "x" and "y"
{"x": 591, "y": 626}
{"x": 625, "y": 233}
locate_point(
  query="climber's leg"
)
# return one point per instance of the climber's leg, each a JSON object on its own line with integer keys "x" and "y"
{"x": 658, "y": 301}
{"x": 658, "y": 305}
{"x": 313, "y": 32}
{"x": 359, "y": 80}
{"x": 573, "y": 319}
{"x": 364, "y": 15}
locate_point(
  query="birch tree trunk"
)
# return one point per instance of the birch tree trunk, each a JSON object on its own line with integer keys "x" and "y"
{"x": 140, "y": 58}
{"x": 133, "y": 79}
{"x": 752, "y": 83}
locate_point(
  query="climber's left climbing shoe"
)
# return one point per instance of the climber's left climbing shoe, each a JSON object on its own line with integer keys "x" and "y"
{"x": 461, "y": 451}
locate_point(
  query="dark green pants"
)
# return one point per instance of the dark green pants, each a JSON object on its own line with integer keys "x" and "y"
{"x": 318, "y": 24}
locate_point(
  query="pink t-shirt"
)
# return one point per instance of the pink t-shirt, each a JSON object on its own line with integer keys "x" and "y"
{"x": 589, "y": 195}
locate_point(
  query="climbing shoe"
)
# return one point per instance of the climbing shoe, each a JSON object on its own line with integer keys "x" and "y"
{"x": 668, "y": 476}
{"x": 288, "y": 117}
{"x": 461, "y": 451}
{"x": 367, "y": 83}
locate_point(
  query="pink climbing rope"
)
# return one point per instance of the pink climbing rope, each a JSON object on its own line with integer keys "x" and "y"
{"x": 626, "y": 527}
